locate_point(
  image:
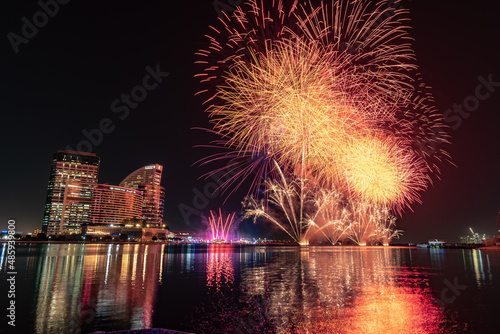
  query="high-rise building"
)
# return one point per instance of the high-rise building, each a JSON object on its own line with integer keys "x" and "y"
{"x": 150, "y": 174}
{"x": 147, "y": 179}
{"x": 113, "y": 204}
{"x": 153, "y": 205}
{"x": 73, "y": 176}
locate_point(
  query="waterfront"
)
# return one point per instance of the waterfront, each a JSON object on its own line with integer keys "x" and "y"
{"x": 73, "y": 288}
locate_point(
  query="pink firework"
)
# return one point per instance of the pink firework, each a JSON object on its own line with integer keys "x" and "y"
{"x": 220, "y": 227}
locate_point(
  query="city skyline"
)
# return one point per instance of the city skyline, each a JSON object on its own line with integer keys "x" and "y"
{"x": 80, "y": 100}
{"x": 75, "y": 198}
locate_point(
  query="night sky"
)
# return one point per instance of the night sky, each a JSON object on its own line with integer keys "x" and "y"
{"x": 68, "y": 75}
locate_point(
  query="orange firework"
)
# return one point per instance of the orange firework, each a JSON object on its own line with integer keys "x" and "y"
{"x": 380, "y": 171}
{"x": 325, "y": 95}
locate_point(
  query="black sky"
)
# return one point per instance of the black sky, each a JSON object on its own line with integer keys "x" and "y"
{"x": 66, "y": 77}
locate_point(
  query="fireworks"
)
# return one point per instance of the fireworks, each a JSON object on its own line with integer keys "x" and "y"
{"x": 331, "y": 216}
{"x": 381, "y": 171}
{"x": 387, "y": 231}
{"x": 307, "y": 213}
{"x": 321, "y": 100}
{"x": 220, "y": 228}
{"x": 290, "y": 198}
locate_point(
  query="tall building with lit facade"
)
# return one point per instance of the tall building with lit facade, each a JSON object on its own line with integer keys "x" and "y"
{"x": 147, "y": 179}
{"x": 113, "y": 204}
{"x": 72, "y": 178}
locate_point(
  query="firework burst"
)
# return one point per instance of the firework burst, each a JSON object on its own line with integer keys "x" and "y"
{"x": 381, "y": 171}
{"x": 322, "y": 98}
{"x": 317, "y": 89}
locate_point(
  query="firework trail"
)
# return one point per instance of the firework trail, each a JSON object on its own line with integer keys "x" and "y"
{"x": 365, "y": 219}
{"x": 387, "y": 231}
{"x": 220, "y": 228}
{"x": 380, "y": 171}
{"x": 331, "y": 217}
{"x": 310, "y": 213}
{"x": 290, "y": 199}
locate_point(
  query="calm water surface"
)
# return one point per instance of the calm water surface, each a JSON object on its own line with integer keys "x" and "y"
{"x": 72, "y": 288}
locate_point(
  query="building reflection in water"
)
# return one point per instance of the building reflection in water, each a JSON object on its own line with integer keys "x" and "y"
{"x": 436, "y": 256}
{"x": 112, "y": 285}
{"x": 180, "y": 259}
{"x": 479, "y": 263}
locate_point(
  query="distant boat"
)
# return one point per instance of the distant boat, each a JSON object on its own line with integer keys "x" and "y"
{"x": 434, "y": 243}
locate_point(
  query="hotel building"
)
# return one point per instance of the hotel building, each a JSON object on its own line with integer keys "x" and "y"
{"x": 147, "y": 180}
{"x": 72, "y": 178}
{"x": 76, "y": 201}
{"x": 113, "y": 204}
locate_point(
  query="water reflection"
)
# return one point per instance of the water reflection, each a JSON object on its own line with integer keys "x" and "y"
{"x": 220, "y": 270}
{"x": 59, "y": 297}
{"x": 330, "y": 290}
{"x": 112, "y": 285}
{"x": 231, "y": 289}
{"x": 437, "y": 256}
{"x": 394, "y": 308}
{"x": 479, "y": 263}
{"x": 180, "y": 259}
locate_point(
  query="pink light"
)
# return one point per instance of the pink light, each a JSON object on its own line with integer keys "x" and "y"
{"x": 220, "y": 227}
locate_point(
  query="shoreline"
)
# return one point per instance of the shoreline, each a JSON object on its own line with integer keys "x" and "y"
{"x": 24, "y": 242}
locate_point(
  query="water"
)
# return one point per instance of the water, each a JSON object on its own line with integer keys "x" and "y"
{"x": 73, "y": 288}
